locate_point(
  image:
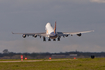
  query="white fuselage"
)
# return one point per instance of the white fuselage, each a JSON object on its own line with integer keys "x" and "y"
{"x": 50, "y": 31}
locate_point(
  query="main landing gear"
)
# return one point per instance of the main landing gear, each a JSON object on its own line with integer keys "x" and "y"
{"x": 58, "y": 39}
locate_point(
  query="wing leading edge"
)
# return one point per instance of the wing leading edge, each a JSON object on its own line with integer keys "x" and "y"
{"x": 32, "y": 34}
{"x": 72, "y": 33}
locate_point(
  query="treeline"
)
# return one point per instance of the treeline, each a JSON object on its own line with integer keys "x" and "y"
{"x": 12, "y": 55}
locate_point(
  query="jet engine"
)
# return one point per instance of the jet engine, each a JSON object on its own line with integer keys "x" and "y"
{"x": 67, "y": 35}
{"x": 24, "y": 36}
{"x": 79, "y": 34}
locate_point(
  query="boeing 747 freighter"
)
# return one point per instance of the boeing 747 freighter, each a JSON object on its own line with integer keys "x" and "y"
{"x": 52, "y": 34}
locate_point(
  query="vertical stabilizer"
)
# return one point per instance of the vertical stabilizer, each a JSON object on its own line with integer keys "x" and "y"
{"x": 55, "y": 27}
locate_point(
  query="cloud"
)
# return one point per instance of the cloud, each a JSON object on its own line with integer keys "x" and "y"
{"x": 98, "y": 1}
{"x": 84, "y": 1}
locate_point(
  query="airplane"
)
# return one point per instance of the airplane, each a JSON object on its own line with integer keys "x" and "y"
{"x": 52, "y": 34}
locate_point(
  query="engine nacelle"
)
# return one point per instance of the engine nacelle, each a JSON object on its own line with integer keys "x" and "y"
{"x": 79, "y": 34}
{"x": 67, "y": 35}
{"x": 35, "y": 36}
{"x": 24, "y": 36}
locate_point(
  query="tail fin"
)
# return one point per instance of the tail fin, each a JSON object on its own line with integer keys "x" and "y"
{"x": 55, "y": 27}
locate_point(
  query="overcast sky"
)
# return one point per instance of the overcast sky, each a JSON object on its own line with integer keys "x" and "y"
{"x": 71, "y": 15}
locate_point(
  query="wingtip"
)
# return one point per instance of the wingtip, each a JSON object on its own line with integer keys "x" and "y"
{"x": 12, "y": 33}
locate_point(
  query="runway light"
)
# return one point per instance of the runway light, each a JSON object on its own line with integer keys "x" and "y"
{"x": 74, "y": 57}
{"x": 50, "y": 58}
{"x": 25, "y": 58}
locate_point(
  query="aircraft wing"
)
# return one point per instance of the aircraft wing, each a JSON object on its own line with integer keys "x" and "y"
{"x": 32, "y": 34}
{"x": 73, "y": 33}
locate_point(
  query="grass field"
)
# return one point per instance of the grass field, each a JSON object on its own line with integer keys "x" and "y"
{"x": 70, "y": 64}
